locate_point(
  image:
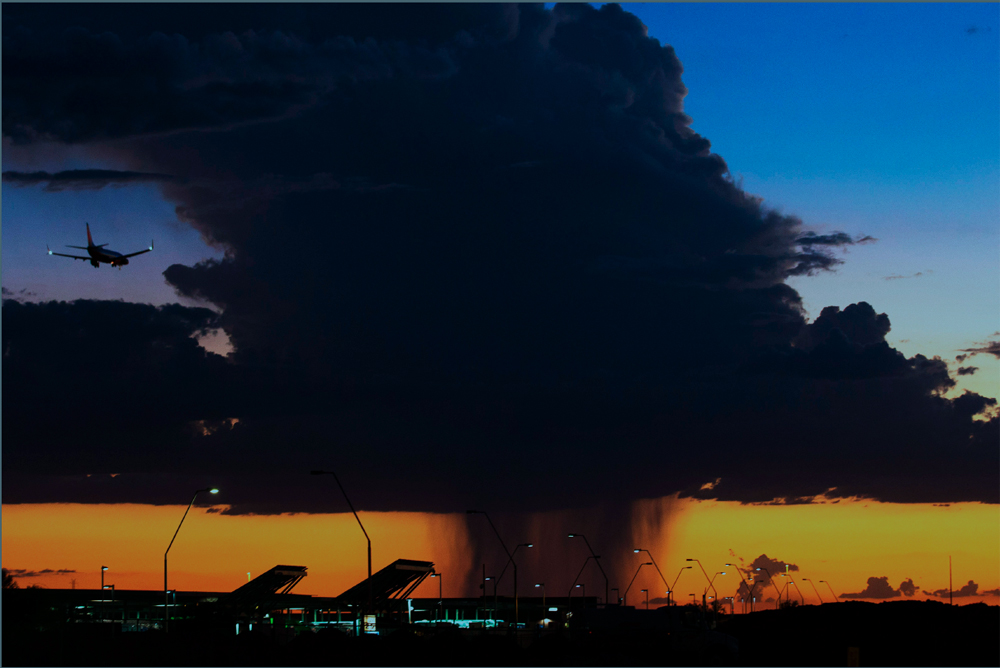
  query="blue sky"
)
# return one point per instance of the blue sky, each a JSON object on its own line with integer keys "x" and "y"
{"x": 878, "y": 119}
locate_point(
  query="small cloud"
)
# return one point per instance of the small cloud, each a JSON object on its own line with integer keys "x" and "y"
{"x": 988, "y": 347}
{"x": 711, "y": 485}
{"x": 972, "y": 30}
{"x": 896, "y": 277}
{"x": 907, "y": 588}
{"x": 877, "y": 588}
{"x": 970, "y": 589}
{"x": 967, "y": 370}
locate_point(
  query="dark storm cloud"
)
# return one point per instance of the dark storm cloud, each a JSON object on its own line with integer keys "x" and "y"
{"x": 476, "y": 255}
{"x": 81, "y": 179}
{"x": 834, "y": 239}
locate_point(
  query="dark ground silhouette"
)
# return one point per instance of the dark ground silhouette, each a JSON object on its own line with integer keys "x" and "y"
{"x": 899, "y": 633}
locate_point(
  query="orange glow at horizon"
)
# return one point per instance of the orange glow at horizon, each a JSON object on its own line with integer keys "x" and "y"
{"x": 843, "y": 543}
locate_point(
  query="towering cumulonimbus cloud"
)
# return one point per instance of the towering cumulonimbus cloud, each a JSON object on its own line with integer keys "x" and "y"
{"x": 483, "y": 242}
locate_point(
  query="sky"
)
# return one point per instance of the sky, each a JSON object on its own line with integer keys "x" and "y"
{"x": 565, "y": 259}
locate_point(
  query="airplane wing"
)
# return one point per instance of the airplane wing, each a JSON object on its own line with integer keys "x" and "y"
{"x": 140, "y": 252}
{"x": 75, "y": 257}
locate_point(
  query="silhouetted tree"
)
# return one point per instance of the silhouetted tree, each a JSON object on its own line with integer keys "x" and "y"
{"x": 8, "y": 580}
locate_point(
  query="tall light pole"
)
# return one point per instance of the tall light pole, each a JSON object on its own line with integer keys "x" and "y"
{"x": 607, "y": 592}
{"x": 371, "y": 600}
{"x": 814, "y": 589}
{"x": 625, "y": 597}
{"x": 166, "y": 602}
{"x": 706, "y": 577}
{"x": 786, "y": 575}
{"x": 103, "y": 568}
{"x": 544, "y": 609}
{"x": 440, "y": 595}
{"x": 509, "y": 562}
{"x": 744, "y": 584}
{"x": 712, "y": 586}
{"x": 585, "y": 561}
{"x": 510, "y": 558}
{"x": 673, "y": 587}
{"x": 771, "y": 579}
{"x": 583, "y": 593}
{"x": 495, "y": 581}
{"x": 650, "y": 554}
{"x": 831, "y": 591}
{"x": 646, "y": 591}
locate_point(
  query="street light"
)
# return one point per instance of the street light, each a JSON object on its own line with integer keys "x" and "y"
{"x": 638, "y": 550}
{"x": 744, "y": 584}
{"x": 647, "y": 596}
{"x": 595, "y": 557}
{"x": 712, "y": 586}
{"x": 440, "y": 596}
{"x": 371, "y": 600}
{"x": 583, "y": 593}
{"x": 607, "y": 592}
{"x": 544, "y": 609}
{"x": 495, "y": 581}
{"x": 786, "y": 575}
{"x": 706, "y": 577}
{"x": 509, "y": 562}
{"x": 814, "y": 589}
{"x": 166, "y": 602}
{"x": 625, "y": 597}
{"x": 673, "y": 587}
{"x": 771, "y": 580}
{"x": 831, "y": 591}
{"x": 103, "y": 568}
{"x": 510, "y": 558}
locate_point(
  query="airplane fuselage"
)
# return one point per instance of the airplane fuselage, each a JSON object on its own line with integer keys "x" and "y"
{"x": 111, "y": 257}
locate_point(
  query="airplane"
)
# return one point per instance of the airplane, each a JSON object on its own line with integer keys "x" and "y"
{"x": 98, "y": 254}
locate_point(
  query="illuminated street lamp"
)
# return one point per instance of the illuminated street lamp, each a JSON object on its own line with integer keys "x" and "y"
{"x": 706, "y": 577}
{"x": 673, "y": 587}
{"x": 607, "y": 592}
{"x": 440, "y": 596}
{"x": 509, "y": 562}
{"x": 831, "y": 591}
{"x": 510, "y": 557}
{"x": 791, "y": 581}
{"x": 814, "y": 589}
{"x": 495, "y": 581}
{"x": 544, "y": 609}
{"x": 583, "y": 593}
{"x": 103, "y": 568}
{"x": 625, "y": 597}
{"x": 585, "y": 561}
{"x": 769, "y": 577}
{"x": 744, "y": 584}
{"x": 371, "y": 599}
{"x": 638, "y": 550}
{"x": 166, "y": 602}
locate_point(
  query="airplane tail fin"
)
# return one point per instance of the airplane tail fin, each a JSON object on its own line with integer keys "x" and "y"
{"x": 90, "y": 240}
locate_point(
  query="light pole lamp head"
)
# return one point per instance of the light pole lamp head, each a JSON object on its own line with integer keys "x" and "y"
{"x": 104, "y": 568}
{"x": 648, "y": 563}
{"x": 435, "y": 575}
{"x": 690, "y": 560}
{"x": 643, "y": 590}
{"x": 540, "y": 584}
{"x": 526, "y": 545}
{"x": 573, "y": 535}
{"x": 687, "y": 567}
